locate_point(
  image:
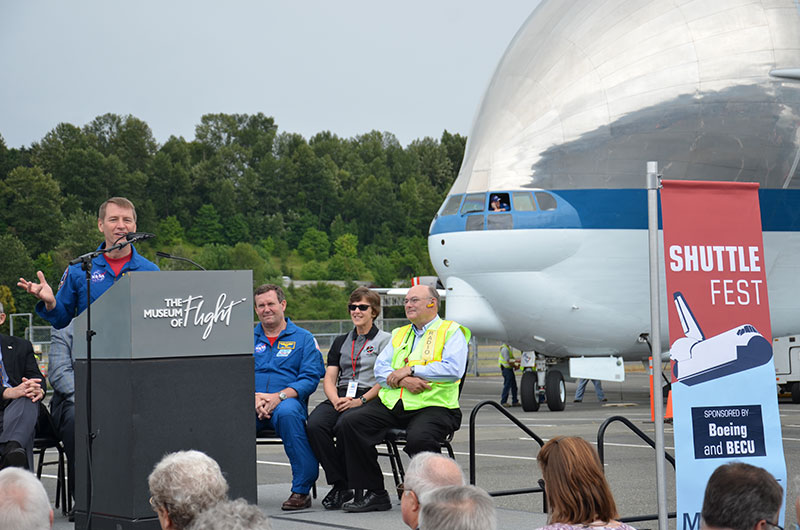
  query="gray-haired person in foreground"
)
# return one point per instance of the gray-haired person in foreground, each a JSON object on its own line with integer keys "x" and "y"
{"x": 231, "y": 515}
{"x": 426, "y": 472}
{"x": 457, "y": 508}
{"x": 182, "y": 485}
{"x": 23, "y": 501}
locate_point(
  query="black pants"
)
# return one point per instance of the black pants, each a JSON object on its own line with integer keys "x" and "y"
{"x": 365, "y": 427}
{"x": 320, "y": 428}
{"x": 63, "y": 413}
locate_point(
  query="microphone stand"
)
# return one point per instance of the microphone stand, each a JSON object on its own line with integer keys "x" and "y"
{"x": 179, "y": 258}
{"x": 86, "y": 265}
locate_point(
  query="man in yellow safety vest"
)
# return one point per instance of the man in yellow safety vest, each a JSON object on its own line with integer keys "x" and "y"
{"x": 419, "y": 372}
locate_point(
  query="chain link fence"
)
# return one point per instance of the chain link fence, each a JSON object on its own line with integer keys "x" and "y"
{"x": 483, "y": 352}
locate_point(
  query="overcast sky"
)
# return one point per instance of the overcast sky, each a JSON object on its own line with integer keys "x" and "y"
{"x": 413, "y": 68}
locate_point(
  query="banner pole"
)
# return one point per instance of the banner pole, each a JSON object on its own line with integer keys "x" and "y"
{"x": 653, "y": 184}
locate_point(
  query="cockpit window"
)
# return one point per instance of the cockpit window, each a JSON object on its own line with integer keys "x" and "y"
{"x": 546, "y": 201}
{"x": 498, "y": 202}
{"x": 523, "y": 201}
{"x": 451, "y": 206}
{"x": 474, "y": 202}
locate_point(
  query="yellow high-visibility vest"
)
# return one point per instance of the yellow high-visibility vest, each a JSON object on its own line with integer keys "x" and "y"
{"x": 428, "y": 349}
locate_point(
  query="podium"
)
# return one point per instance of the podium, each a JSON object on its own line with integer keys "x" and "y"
{"x": 172, "y": 369}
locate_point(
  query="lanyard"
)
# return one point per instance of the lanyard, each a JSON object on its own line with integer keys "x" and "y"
{"x": 354, "y": 356}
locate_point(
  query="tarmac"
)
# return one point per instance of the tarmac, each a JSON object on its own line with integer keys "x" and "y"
{"x": 505, "y": 459}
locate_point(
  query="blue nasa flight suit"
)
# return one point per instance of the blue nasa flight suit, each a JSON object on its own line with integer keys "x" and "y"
{"x": 293, "y": 361}
{"x": 71, "y": 295}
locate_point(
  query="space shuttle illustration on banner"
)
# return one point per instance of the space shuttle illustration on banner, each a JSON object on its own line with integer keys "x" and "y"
{"x": 698, "y": 359}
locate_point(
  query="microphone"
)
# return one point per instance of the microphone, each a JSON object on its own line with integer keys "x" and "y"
{"x": 130, "y": 237}
{"x": 178, "y": 258}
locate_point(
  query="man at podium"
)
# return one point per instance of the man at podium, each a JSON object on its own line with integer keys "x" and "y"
{"x": 288, "y": 367}
{"x": 116, "y": 218}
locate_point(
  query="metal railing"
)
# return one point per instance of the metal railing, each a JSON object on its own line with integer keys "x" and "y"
{"x": 472, "y": 443}
{"x": 601, "y": 433}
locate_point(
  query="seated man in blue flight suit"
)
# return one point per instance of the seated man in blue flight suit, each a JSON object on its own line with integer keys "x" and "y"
{"x": 116, "y": 218}
{"x": 288, "y": 369}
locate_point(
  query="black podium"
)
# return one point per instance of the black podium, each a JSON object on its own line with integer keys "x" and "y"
{"x": 172, "y": 369}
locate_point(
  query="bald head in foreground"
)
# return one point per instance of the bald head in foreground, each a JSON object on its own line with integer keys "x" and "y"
{"x": 23, "y": 501}
{"x": 426, "y": 472}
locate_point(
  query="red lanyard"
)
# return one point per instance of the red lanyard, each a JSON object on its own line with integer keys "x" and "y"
{"x": 354, "y": 356}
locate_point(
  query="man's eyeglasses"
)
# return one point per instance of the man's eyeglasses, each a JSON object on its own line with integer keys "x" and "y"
{"x": 414, "y": 301}
{"x": 360, "y": 307}
{"x": 773, "y": 525}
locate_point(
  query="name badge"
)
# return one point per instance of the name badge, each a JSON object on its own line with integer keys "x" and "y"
{"x": 352, "y": 388}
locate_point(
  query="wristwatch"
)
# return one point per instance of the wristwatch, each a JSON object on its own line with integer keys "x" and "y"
{"x": 363, "y": 400}
{"x": 412, "y": 370}
{"x": 282, "y": 396}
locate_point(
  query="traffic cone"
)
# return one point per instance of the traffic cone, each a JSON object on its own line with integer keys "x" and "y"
{"x": 652, "y": 405}
{"x": 668, "y": 413}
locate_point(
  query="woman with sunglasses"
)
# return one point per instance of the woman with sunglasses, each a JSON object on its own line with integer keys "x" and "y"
{"x": 349, "y": 383}
{"x": 578, "y": 494}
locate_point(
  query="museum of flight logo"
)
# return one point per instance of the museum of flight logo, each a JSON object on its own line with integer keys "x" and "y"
{"x": 186, "y": 312}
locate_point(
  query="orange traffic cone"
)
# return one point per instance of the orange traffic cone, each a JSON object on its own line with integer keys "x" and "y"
{"x": 668, "y": 414}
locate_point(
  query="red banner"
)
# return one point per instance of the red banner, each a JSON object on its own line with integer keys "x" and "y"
{"x": 723, "y": 393}
{"x": 714, "y": 257}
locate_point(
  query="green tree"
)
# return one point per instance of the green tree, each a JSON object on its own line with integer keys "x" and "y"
{"x": 345, "y": 264}
{"x": 244, "y": 257}
{"x": 384, "y": 270}
{"x": 215, "y": 257}
{"x": 81, "y": 235}
{"x": 206, "y": 229}
{"x": 9, "y": 306}
{"x": 14, "y": 261}
{"x": 454, "y": 145}
{"x": 170, "y": 231}
{"x": 235, "y": 229}
{"x": 314, "y": 245}
{"x": 31, "y": 208}
{"x": 319, "y": 301}
{"x": 314, "y": 270}
{"x": 126, "y": 137}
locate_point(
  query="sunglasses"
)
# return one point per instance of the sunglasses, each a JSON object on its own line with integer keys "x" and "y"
{"x": 361, "y": 307}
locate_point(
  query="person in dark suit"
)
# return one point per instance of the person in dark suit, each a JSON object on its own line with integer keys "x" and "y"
{"x": 23, "y": 386}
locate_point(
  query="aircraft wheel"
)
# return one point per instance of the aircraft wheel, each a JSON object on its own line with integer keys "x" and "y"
{"x": 795, "y": 392}
{"x": 555, "y": 390}
{"x": 527, "y": 391}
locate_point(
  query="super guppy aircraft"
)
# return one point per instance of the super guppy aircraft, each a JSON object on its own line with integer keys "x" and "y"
{"x": 586, "y": 93}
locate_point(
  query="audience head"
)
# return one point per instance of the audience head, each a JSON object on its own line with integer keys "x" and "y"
{"x": 23, "y": 501}
{"x": 426, "y": 472}
{"x": 577, "y": 490}
{"x": 231, "y": 515}
{"x": 741, "y": 497}
{"x": 182, "y": 485}
{"x": 457, "y": 508}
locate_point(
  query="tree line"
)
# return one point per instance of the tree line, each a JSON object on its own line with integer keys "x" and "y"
{"x": 240, "y": 195}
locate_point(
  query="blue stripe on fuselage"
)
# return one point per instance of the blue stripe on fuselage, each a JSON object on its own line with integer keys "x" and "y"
{"x": 622, "y": 209}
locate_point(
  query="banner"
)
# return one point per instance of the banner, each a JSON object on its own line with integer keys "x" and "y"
{"x": 724, "y": 397}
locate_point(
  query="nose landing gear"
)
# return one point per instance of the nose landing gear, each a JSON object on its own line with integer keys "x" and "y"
{"x": 541, "y": 385}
